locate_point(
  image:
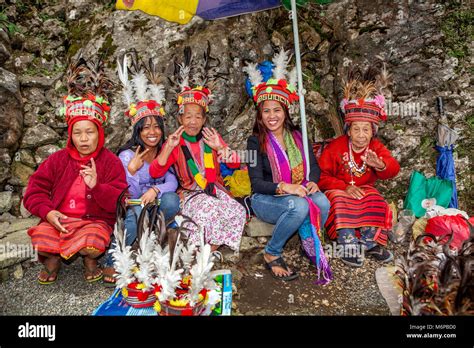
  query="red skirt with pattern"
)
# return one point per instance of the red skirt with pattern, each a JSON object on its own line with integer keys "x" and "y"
{"x": 91, "y": 234}
{"x": 348, "y": 212}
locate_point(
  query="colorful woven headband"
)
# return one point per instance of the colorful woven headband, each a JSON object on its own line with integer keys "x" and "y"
{"x": 144, "y": 109}
{"x": 364, "y": 110}
{"x": 90, "y": 106}
{"x": 280, "y": 92}
{"x": 198, "y": 95}
{"x": 271, "y": 81}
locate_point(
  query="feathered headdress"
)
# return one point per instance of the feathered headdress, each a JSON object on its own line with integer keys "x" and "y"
{"x": 272, "y": 80}
{"x": 195, "y": 80}
{"x": 143, "y": 92}
{"x": 434, "y": 281}
{"x": 89, "y": 90}
{"x": 364, "y": 94}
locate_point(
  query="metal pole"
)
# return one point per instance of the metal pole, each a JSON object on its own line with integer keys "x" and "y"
{"x": 301, "y": 90}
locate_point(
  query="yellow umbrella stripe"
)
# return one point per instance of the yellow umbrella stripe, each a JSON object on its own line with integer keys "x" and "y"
{"x": 179, "y": 11}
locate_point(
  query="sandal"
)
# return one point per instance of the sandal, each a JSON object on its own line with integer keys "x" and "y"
{"x": 109, "y": 279}
{"x": 280, "y": 263}
{"x": 49, "y": 274}
{"x": 92, "y": 274}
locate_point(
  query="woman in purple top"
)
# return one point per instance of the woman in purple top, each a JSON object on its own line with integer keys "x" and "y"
{"x": 136, "y": 156}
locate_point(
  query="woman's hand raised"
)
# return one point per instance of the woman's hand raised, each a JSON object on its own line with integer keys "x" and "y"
{"x": 212, "y": 139}
{"x": 174, "y": 138}
{"x": 137, "y": 161}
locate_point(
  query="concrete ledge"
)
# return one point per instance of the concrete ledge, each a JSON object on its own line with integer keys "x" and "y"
{"x": 258, "y": 228}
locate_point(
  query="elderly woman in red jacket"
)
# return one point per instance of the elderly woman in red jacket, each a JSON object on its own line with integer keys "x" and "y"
{"x": 75, "y": 190}
{"x": 359, "y": 217}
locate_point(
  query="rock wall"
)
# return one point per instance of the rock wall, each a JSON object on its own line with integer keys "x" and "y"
{"x": 427, "y": 46}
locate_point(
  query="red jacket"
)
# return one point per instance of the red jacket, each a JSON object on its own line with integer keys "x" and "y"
{"x": 48, "y": 186}
{"x": 334, "y": 164}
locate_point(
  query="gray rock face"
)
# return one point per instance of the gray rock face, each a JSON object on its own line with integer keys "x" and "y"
{"x": 26, "y": 157}
{"x": 5, "y": 161}
{"x": 11, "y": 116}
{"x": 44, "y": 152}
{"x": 20, "y": 174}
{"x": 5, "y": 201}
{"x": 39, "y": 135}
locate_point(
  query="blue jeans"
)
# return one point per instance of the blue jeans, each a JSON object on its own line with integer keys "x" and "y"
{"x": 348, "y": 236}
{"x": 287, "y": 213}
{"x": 169, "y": 206}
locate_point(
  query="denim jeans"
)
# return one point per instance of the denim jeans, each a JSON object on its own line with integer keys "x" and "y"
{"x": 169, "y": 206}
{"x": 348, "y": 236}
{"x": 287, "y": 213}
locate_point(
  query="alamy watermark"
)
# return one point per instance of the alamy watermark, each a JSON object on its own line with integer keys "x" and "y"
{"x": 22, "y": 251}
{"x": 404, "y": 109}
{"x": 245, "y": 156}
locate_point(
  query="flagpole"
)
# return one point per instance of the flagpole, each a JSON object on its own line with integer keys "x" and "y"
{"x": 301, "y": 90}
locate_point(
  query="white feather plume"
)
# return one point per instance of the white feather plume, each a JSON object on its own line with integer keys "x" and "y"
{"x": 161, "y": 261}
{"x": 293, "y": 77}
{"x": 140, "y": 83}
{"x": 157, "y": 93}
{"x": 280, "y": 61}
{"x": 184, "y": 71}
{"x": 201, "y": 273}
{"x": 124, "y": 263}
{"x": 122, "y": 70}
{"x": 187, "y": 256}
{"x": 145, "y": 258}
{"x": 255, "y": 76}
{"x": 172, "y": 277}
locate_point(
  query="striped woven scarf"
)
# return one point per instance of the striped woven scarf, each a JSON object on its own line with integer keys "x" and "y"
{"x": 206, "y": 182}
{"x": 291, "y": 167}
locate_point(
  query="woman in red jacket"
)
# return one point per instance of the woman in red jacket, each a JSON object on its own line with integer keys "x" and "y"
{"x": 350, "y": 165}
{"x": 75, "y": 190}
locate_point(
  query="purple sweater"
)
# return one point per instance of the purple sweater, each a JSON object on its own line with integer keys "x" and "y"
{"x": 142, "y": 181}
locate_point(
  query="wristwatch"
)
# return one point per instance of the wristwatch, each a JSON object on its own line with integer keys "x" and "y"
{"x": 279, "y": 190}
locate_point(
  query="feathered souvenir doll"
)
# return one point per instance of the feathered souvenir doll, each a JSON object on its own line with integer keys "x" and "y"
{"x": 167, "y": 270}
{"x": 435, "y": 281}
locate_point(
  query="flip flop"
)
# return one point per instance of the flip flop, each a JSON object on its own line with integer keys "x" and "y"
{"x": 110, "y": 275}
{"x": 280, "y": 263}
{"x": 49, "y": 273}
{"x": 90, "y": 272}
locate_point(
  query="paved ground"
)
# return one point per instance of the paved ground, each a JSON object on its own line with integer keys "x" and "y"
{"x": 352, "y": 292}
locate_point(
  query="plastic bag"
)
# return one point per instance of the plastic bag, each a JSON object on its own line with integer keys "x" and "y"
{"x": 447, "y": 224}
{"x": 239, "y": 183}
{"x": 421, "y": 188}
{"x": 406, "y": 219}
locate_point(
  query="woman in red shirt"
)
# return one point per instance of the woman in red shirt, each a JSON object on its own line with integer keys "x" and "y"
{"x": 195, "y": 152}
{"x": 350, "y": 165}
{"x": 75, "y": 190}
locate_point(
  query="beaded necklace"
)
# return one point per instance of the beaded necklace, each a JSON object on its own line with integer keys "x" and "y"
{"x": 354, "y": 168}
